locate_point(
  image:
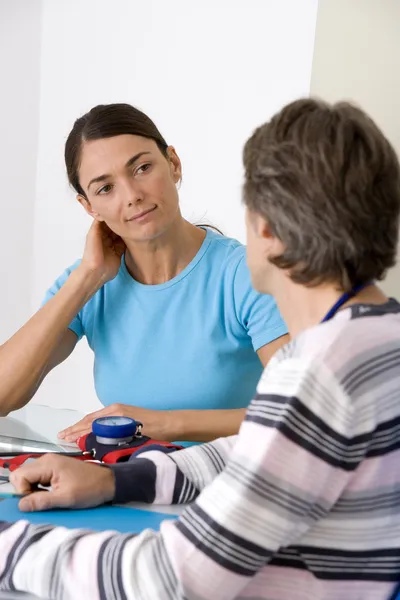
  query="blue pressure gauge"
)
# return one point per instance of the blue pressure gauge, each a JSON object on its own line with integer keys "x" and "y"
{"x": 115, "y": 430}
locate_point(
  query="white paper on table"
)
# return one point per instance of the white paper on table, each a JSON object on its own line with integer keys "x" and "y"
{"x": 35, "y": 428}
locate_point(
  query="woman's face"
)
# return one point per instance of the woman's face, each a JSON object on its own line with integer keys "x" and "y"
{"x": 130, "y": 185}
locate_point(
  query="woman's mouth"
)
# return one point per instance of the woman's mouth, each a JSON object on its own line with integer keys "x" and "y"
{"x": 142, "y": 215}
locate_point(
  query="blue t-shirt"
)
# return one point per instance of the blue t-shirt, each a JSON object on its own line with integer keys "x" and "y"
{"x": 188, "y": 343}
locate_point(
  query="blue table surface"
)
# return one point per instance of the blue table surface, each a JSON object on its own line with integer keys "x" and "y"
{"x": 117, "y": 518}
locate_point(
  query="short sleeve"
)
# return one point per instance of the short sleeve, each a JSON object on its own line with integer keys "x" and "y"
{"x": 257, "y": 313}
{"x": 76, "y": 324}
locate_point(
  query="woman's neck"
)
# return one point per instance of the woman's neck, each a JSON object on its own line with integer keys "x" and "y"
{"x": 160, "y": 260}
{"x": 303, "y": 307}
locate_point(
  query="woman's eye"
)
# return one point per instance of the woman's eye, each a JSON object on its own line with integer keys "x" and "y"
{"x": 105, "y": 189}
{"x": 143, "y": 168}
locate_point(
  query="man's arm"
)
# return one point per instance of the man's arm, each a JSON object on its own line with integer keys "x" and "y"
{"x": 175, "y": 478}
{"x": 283, "y": 475}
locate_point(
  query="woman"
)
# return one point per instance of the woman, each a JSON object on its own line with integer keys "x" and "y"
{"x": 167, "y": 307}
{"x": 304, "y": 502}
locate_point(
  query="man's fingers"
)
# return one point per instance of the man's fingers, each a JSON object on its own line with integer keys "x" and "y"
{"x": 27, "y": 476}
{"x": 38, "y": 501}
{"x": 22, "y": 487}
{"x": 73, "y": 485}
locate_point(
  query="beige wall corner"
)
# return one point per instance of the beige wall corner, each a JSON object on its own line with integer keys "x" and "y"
{"x": 357, "y": 57}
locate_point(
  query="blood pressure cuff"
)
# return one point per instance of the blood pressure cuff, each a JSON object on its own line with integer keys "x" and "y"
{"x": 92, "y": 450}
{"x": 111, "y": 454}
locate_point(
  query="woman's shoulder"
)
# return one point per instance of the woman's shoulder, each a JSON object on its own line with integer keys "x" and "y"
{"x": 226, "y": 250}
{"x": 227, "y": 257}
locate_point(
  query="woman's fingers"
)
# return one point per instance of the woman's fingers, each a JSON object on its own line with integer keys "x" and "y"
{"x": 73, "y": 437}
{"x": 82, "y": 425}
{"x": 71, "y": 434}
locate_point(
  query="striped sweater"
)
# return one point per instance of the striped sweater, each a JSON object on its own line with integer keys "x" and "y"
{"x": 304, "y": 504}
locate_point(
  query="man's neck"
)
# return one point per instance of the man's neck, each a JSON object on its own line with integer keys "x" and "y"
{"x": 302, "y": 307}
{"x": 160, "y": 260}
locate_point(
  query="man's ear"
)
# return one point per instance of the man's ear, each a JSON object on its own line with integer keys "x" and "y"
{"x": 263, "y": 228}
{"x": 88, "y": 207}
{"x": 264, "y": 231}
{"x": 259, "y": 225}
{"x": 175, "y": 163}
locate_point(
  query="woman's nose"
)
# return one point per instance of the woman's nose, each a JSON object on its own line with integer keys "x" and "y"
{"x": 133, "y": 195}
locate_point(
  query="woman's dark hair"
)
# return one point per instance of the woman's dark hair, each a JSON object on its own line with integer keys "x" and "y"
{"x": 328, "y": 183}
{"x": 104, "y": 121}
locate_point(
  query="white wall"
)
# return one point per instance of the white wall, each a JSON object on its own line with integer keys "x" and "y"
{"x": 357, "y": 57}
{"x": 19, "y": 109}
{"x": 207, "y": 72}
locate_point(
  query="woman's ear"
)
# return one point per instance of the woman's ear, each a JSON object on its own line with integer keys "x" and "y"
{"x": 175, "y": 163}
{"x": 83, "y": 201}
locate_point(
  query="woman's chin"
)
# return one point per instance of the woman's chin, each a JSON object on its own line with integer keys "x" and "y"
{"x": 145, "y": 233}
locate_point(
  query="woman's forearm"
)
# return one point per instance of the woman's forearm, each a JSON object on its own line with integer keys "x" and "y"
{"x": 204, "y": 425}
{"x": 25, "y": 356}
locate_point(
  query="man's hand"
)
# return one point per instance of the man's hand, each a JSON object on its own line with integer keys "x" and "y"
{"x": 74, "y": 484}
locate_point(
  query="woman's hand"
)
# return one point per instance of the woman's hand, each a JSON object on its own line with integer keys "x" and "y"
{"x": 74, "y": 484}
{"x": 103, "y": 252}
{"x": 157, "y": 424}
